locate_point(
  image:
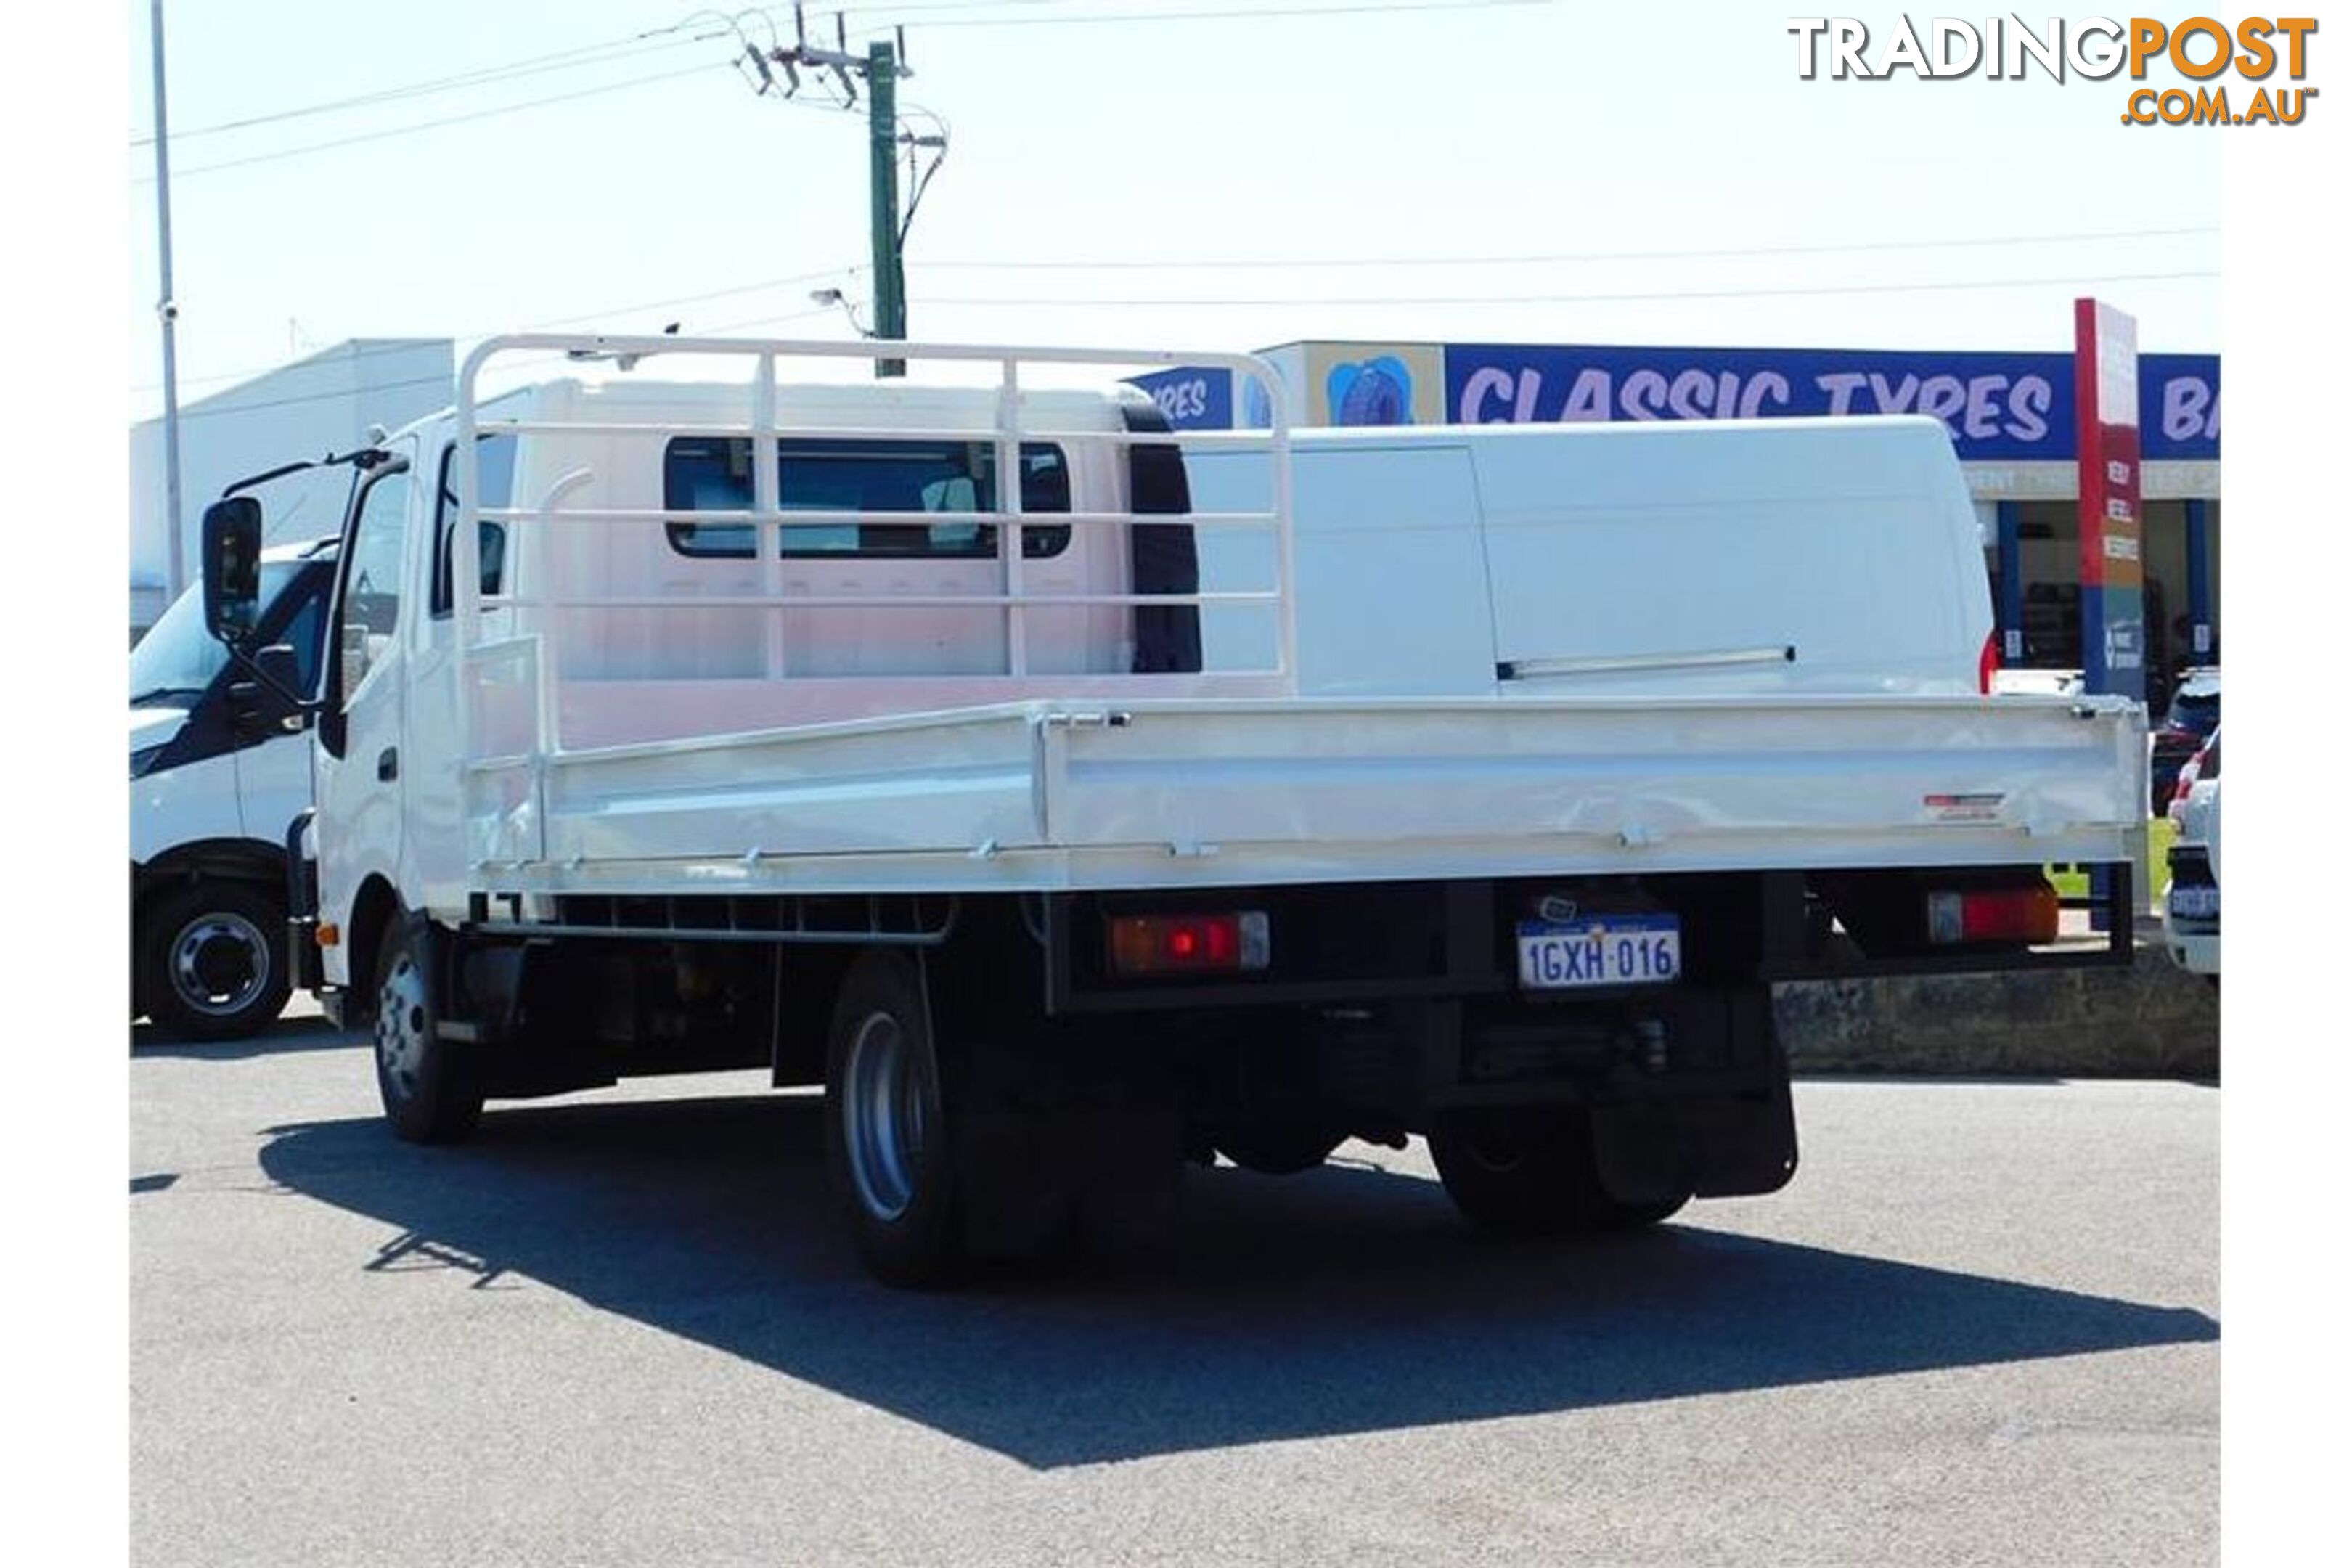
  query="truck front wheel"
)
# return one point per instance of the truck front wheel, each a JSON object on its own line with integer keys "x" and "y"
{"x": 212, "y": 960}
{"x": 430, "y": 1092}
{"x": 886, "y": 1132}
{"x": 1529, "y": 1172}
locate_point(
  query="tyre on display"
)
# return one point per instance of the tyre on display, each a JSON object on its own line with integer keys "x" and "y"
{"x": 1530, "y": 1172}
{"x": 887, "y": 1134}
{"x": 430, "y": 1092}
{"x": 212, "y": 964}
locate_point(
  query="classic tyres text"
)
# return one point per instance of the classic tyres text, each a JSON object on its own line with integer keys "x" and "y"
{"x": 888, "y": 1140}
{"x": 430, "y": 1093}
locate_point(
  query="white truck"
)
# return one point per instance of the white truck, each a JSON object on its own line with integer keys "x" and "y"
{"x": 1069, "y": 798}
{"x": 220, "y": 768}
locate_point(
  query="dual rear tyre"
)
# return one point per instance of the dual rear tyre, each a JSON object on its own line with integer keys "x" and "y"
{"x": 888, "y": 1145}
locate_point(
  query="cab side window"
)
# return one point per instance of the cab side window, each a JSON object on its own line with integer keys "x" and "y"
{"x": 371, "y": 613}
{"x": 495, "y": 456}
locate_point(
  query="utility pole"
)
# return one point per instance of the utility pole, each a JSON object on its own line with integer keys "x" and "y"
{"x": 883, "y": 66}
{"x": 882, "y": 121}
{"x": 168, "y": 309}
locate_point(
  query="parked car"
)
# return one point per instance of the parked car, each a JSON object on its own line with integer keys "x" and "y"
{"x": 2192, "y": 903}
{"x": 2194, "y": 713}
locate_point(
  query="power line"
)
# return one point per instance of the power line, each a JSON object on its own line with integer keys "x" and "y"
{"x": 523, "y": 364}
{"x": 407, "y": 344}
{"x": 1332, "y": 262}
{"x": 434, "y": 124}
{"x": 565, "y": 60}
{"x": 1254, "y": 13}
{"x": 1274, "y": 263}
{"x": 1327, "y": 302}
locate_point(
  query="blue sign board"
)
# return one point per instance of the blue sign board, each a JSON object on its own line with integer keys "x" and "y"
{"x": 1193, "y": 398}
{"x": 2179, "y": 407}
{"x": 1999, "y": 408}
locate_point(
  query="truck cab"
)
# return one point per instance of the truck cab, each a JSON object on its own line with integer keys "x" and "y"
{"x": 220, "y": 767}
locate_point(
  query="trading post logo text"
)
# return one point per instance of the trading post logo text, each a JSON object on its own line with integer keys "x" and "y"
{"x": 2203, "y": 50}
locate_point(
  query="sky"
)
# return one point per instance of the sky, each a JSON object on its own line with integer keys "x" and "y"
{"x": 1255, "y": 173}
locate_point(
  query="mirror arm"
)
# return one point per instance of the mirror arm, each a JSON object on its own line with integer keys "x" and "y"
{"x": 252, "y": 666}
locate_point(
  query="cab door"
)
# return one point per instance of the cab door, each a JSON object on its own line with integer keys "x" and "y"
{"x": 364, "y": 719}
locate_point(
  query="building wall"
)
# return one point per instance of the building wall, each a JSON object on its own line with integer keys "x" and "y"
{"x": 325, "y": 403}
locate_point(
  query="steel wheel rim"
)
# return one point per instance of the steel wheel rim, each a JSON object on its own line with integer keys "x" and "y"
{"x": 884, "y": 1115}
{"x": 207, "y": 942}
{"x": 400, "y": 1025}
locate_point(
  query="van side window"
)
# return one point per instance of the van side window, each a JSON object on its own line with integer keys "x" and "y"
{"x": 713, "y": 473}
{"x": 496, "y": 475}
{"x": 371, "y": 609}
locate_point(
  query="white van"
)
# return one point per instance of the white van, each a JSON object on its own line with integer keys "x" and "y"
{"x": 1754, "y": 556}
{"x": 220, "y": 768}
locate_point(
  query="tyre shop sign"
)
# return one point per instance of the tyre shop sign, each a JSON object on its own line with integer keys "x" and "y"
{"x": 1999, "y": 406}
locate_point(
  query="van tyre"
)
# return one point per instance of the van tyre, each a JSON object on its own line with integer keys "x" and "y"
{"x": 431, "y": 1091}
{"x": 211, "y": 961}
{"x": 1529, "y": 1172}
{"x": 888, "y": 1139}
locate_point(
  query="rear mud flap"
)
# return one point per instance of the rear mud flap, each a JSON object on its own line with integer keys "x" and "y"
{"x": 1106, "y": 1175}
{"x": 1722, "y": 1146}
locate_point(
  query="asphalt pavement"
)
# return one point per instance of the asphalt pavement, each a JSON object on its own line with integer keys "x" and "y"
{"x": 1981, "y": 1326}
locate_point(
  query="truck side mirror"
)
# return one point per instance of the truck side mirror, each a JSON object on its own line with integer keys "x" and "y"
{"x": 232, "y": 568}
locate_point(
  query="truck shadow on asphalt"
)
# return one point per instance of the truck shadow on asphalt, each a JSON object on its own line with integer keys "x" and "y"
{"x": 1347, "y": 1301}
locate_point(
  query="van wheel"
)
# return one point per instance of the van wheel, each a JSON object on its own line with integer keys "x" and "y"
{"x": 430, "y": 1093}
{"x": 1530, "y": 1172}
{"x": 888, "y": 1138}
{"x": 211, "y": 961}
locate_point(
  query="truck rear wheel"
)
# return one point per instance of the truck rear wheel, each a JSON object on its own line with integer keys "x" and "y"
{"x": 888, "y": 1139}
{"x": 431, "y": 1094}
{"x": 1276, "y": 1148}
{"x": 212, "y": 960}
{"x": 1529, "y": 1172}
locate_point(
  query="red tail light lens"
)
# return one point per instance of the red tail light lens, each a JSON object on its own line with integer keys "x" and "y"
{"x": 1988, "y": 661}
{"x": 1190, "y": 944}
{"x": 1993, "y": 914}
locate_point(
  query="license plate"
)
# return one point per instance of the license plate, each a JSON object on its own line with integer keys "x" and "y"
{"x": 2196, "y": 902}
{"x": 1600, "y": 950}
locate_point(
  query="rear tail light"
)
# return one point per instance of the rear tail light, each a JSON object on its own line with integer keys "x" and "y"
{"x": 2191, "y": 771}
{"x": 1988, "y": 661}
{"x": 1993, "y": 914}
{"x": 1190, "y": 944}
